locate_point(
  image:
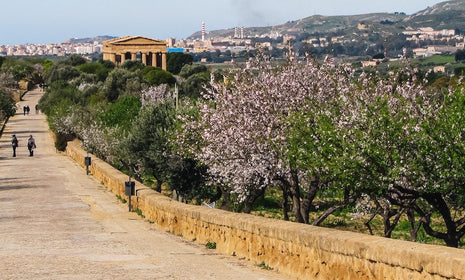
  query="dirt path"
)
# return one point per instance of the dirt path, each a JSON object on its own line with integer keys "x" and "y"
{"x": 58, "y": 223}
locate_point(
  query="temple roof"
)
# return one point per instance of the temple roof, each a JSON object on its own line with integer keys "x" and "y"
{"x": 130, "y": 40}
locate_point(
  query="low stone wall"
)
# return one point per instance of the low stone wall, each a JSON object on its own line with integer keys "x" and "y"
{"x": 298, "y": 250}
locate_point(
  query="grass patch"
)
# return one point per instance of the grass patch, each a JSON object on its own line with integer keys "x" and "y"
{"x": 139, "y": 212}
{"x": 269, "y": 206}
{"x": 264, "y": 266}
{"x": 211, "y": 245}
{"x": 121, "y": 199}
{"x": 334, "y": 222}
{"x": 149, "y": 181}
{"x": 437, "y": 59}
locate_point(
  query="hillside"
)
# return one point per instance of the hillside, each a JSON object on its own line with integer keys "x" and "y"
{"x": 445, "y": 15}
{"x": 330, "y": 24}
{"x": 312, "y": 24}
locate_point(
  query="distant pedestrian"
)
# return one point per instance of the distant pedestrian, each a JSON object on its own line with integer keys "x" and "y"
{"x": 31, "y": 145}
{"x": 24, "y": 110}
{"x": 14, "y": 144}
{"x": 28, "y": 109}
{"x": 37, "y": 108}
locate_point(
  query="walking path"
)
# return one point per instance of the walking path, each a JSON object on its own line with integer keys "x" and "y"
{"x": 58, "y": 223}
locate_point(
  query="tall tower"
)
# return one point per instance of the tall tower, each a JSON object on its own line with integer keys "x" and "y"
{"x": 203, "y": 31}
{"x": 242, "y": 32}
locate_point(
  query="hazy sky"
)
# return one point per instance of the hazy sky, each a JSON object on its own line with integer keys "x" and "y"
{"x": 55, "y": 21}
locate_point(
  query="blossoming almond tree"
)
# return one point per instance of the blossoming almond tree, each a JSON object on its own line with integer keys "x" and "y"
{"x": 243, "y": 126}
{"x": 359, "y": 144}
{"x": 439, "y": 168}
{"x": 428, "y": 173}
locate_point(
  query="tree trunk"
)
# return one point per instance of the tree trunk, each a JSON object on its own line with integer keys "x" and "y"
{"x": 367, "y": 223}
{"x": 285, "y": 205}
{"x": 333, "y": 209}
{"x": 308, "y": 199}
{"x": 296, "y": 205}
{"x": 296, "y": 197}
{"x": 158, "y": 186}
{"x": 226, "y": 201}
{"x": 250, "y": 200}
{"x": 413, "y": 229}
{"x": 291, "y": 188}
{"x": 328, "y": 212}
{"x": 388, "y": 225}
{"x": 452, "y": 235}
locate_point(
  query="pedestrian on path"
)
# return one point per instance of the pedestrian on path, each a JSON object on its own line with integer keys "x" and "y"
{"x": 14, "y": 144}
{"x": 37, "y": 108}
{"x": 31, "y": 145}
{"x": 24, "y": 110}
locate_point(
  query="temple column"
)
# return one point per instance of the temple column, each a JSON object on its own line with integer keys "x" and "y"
{"x": 133, "y": 56}
{"x": 123, "y": 58}
{"x": 113, "y": 57}
{"x": 163, "y": 61}
{"x": 144, "y": 58}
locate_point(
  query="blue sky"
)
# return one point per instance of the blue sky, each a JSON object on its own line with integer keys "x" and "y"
{"x": 55, "y": 21}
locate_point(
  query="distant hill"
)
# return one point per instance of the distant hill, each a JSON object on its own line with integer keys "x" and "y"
{"x": 445, "y": 15}
{"x": 328, "y": 24}
{"x": 313, "y": 24}
{"x": 90, "y": 40}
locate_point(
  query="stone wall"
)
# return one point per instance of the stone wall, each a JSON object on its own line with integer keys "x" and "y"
{"x": 298, "y": 250}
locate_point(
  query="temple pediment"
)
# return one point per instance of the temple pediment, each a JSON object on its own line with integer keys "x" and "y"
{"x": 134, "y": 40}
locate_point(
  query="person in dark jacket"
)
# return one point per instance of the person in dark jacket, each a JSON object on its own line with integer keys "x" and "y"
{"x": 31, "y": 145}
{"x": 14, "y": 144}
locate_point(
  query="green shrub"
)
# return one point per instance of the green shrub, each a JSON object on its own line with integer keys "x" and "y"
{"x": 157, "y": 76}
{"x": 61, "y": 141}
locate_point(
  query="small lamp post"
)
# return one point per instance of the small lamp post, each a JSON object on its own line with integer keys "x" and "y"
{"x": 87, "y": 162}
{"x": 130, "y": 190}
